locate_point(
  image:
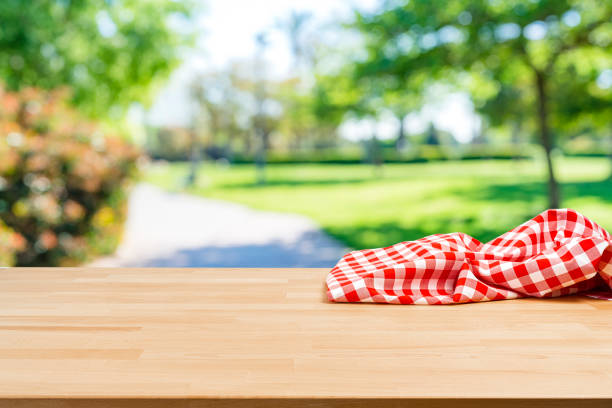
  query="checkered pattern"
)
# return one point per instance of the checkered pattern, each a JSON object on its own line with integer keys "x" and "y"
{"x": 559, "y": 252}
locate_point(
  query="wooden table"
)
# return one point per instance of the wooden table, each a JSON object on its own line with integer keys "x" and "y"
{"x": 73, "y": 337}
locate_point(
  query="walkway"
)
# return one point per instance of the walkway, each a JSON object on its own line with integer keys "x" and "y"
{"x": 179, "y": 230}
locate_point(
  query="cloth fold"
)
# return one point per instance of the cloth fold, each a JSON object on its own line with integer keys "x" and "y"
{"x": 557, "y": 253}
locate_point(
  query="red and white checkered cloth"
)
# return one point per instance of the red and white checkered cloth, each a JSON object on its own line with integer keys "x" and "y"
{"x": 559, "y": 252}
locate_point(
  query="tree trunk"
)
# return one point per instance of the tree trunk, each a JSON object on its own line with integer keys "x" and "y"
{"x": 261, "y": 128}
{"x": 260, "y": 157}
{"x": 610, "y": 151}
{"x": 516, "y": 138}
{"x": 554, "y": 196}
{"x": 376, "y": 155}
{"x": 194, "y": 159}
{"x": 432, "y": 136}
{"x": 400, "y": 142}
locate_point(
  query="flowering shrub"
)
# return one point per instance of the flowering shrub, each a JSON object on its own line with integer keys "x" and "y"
{"x": 10, "y": 243}
{"x": 61, "y": 181}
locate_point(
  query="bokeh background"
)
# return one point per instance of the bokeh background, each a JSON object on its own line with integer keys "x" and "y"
{"x": 282, "y": 133}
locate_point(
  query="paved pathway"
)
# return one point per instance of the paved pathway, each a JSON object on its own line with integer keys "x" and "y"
{"x": 181, "y": 230}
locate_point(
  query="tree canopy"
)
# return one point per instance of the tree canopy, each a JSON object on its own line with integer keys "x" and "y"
{"x": 520, "y": 47}
{"x": 109, "y": 52}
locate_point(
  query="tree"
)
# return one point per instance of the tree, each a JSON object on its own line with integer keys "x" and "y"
{"x": 401, "y": 104}
{"x": 223, "y": 107}
{"x": 504, "y": 102}
{"x": 448, "y": 36}
{"x": 262, "y": 132}
{"x": 294, "y": 26}
{"x": 584, "y": 95}
{"x": 109, "y": 52}
{"x": 294, "y": 93}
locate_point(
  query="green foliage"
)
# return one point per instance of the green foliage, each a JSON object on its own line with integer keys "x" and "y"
{"x": 581, "y": 104}
{"x": 223, "y": 106}
{"x": 109, "y": 52}
{"x": 515, "y": 51}
{"x": 499, "y": 43}
{"x": 310, "y": 117}
{"x": 62, "y": 181}
{"x": 169, "y": 143}
{"x": 417, "y": 154}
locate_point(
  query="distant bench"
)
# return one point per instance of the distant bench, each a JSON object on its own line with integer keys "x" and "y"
{"x": 76, "y": 337}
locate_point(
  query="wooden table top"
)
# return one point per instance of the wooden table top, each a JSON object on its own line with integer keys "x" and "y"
{"x": 270, "y": 333}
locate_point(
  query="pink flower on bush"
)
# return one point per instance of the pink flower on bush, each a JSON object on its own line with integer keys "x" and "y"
{"x": 60, "y": 179}
{"x": 18, "y": 242}
{"x": 47, "y": 240}
{"x": 73, "y": 211}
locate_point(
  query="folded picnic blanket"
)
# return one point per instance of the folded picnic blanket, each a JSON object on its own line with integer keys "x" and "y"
{"x": 559, "y": 252}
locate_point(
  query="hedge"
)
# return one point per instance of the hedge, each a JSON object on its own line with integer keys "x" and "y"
{"x": 62, "y": 182}
{"x": 419, "y": 154}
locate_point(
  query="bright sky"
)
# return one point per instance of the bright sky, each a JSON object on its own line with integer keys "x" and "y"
{"x": 228, "y": 31}
{"x": 230, "y": 26}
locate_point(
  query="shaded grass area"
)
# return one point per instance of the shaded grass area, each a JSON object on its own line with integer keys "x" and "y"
{"x": 366, "y": 207}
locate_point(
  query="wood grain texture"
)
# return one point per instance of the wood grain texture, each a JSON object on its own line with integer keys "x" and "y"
{"x": 304, "y": 403}
{"x": 213, "y": 337}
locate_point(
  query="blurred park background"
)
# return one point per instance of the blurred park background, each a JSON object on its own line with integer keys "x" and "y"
{"x": 284, "y": 132}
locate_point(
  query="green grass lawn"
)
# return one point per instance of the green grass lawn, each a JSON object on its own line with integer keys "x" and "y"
{"x": 364, "y": 208}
